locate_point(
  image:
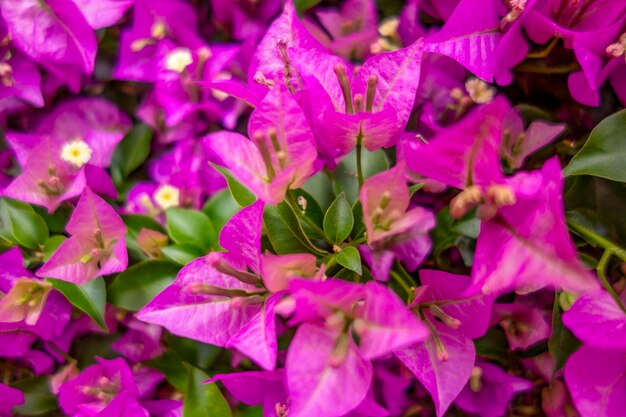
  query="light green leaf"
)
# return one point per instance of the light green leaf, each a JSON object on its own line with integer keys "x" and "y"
{"x": 240, "y": 193}
{"x": 350, "y": 259}
{"x": 28, "y": 228}
{"x": 191, "y": 226}
{"x": 182, "y": 254}
{"x": 220, "y": 208}
{"x": 203, "y": 400}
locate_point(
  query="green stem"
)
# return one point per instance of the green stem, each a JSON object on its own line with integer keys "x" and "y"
{"x": 357, "y": 242}
{"x": 359, "y": 167}
{"x": 600, "y": 269}
{"x": 400, "y": 280}
{"x": 544, "y": 52}
{"x": 596, "y": 240}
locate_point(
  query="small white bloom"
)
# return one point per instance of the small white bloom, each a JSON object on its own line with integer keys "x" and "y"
{"x": 76, "y": 152}
{"x": 479, "y": 91}
{"x": 178, "y": 59}
{"x": 167, "y": 196}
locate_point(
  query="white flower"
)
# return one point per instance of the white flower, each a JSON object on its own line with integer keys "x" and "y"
{"x": 167, "y": 196}
{"x": 76, "y": 152}
{"x": 178, "y": 59}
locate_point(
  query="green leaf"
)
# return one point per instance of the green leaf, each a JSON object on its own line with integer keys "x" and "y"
{"x": 131, "y": 152}
{"x": 38, "y": 398}
{"x": 562, "y": 342}
{"x": 220, "y": 208}
{"x": 604, "y": 153}
{"x": 345, "y": 178}
{"x": 191, "y": 226}
{"x": 135, "y": 287}
{"x": 203, "y": 400}
{"x": 182, "y": 254}
{"x": 200, "y": 355}
{"x": 601, "y": 200}
{"x": 90, "y": 298}
{"x": 359, "y": 226}
{"x": 415, "y": 188}
{"x": 173, "y": 369}
{"x": 338, "y": 220}
{"x": 350, "y": 259}
{"x": 52, "y": 244}
{"x": 240, "y": 193}
{"x": 493, "y": 345}
{"x": 304, "y": 5}
{"x": 310, "y": 209}
{"x": 136, "y": 222}
{"x": 321, "y": 188}
{"x": 282, "y": 239}
{"x": 28, "y": 228}
{"x": 284, "y": 230}
{"x": 592, "y": 231}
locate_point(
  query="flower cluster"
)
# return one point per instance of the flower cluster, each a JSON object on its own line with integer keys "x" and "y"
{"x": 298, "y": 208}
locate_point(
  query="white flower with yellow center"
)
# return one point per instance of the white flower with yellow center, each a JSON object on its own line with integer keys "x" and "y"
{"x": 167, "y": 196}
{"x": 178, "y": 59}
{"x": 76, "y": 152}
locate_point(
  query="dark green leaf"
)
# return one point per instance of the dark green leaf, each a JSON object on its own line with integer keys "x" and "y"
{"x": 588, "y": 226}
{"x": 191, "y": 226}
{"x": 493, "y": 345}
{"x": 38, "y": 398}
{"x": 131, "y": 152}
{"x": 304, "y": 5}
{"x": 311, "y": 210}
{"x": 285, "y": 231}
{"x": 90, "y": 298}
{"x": 604, "y": 153}
{"x": 135, "y": 287}
{"x": 182, "y": 254}
{"x": 240, "y": 193}
{"x": 280, "y": 236}
{"x": 200, "y": 355}
{"x": 203, "y": 400}
{"x": 562, "y": 342}
{"x": 173, "y": 369}
{"x": 338, "y": 221}
{"x": 350, "y": 258}
{"x": 359, "y": 227}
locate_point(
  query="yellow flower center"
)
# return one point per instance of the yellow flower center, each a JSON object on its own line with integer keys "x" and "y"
{"x": 167, "y": 196}
{"x": 76, "y": 152}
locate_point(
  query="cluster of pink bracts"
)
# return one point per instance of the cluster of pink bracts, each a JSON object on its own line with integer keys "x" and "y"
{"x": 361, "y": 218}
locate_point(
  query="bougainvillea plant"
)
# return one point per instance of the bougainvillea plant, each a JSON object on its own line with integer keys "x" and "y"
{"x": 313, "y": 208}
